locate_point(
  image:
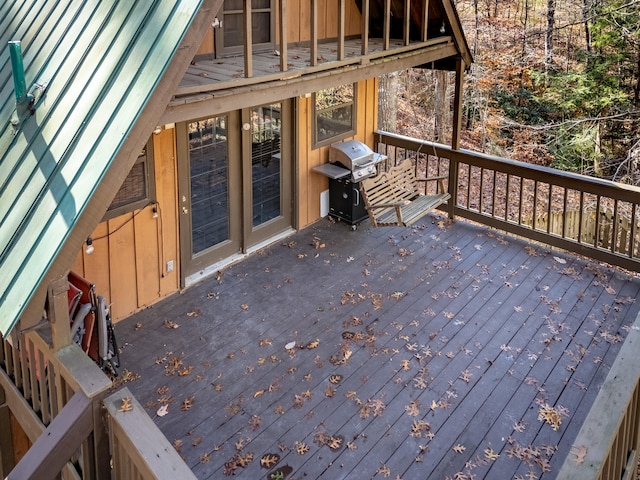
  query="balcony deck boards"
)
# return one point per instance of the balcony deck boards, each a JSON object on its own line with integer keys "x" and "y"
{"x": 229, "y": 71}
{"x": 501, "y": 327}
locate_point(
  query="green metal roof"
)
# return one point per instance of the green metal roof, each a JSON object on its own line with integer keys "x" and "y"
{"x": 100, "y": 62}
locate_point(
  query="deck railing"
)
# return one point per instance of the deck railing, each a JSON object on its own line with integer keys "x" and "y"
{"x": 584, "y": 215}
{"x": 58, "y": 399}
{"x": 38, "y": 383}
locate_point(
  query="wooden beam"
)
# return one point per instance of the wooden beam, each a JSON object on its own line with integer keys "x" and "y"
{"x": 248, "y": 39}
{"x": 283, "y": 37}
{"x": 313, "y": 50}
{"x": 457, "y": 104}
{"x": 386, "y": 29}
{"x": 425, "y": 20}
{"x": 58, "y": 313}
{"x": 275, "y": 89}
{"x": 365, "y": 27}
{"x": 407, "y": 21}
{"x": 62, "y": 438}
{"x": 341, "y": 15}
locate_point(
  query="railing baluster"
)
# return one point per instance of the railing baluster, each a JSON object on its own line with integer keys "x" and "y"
{"x": 632, "y": 240}
{"x": 387, "y": 24}
{"x": 564, "y": 213}
{"x": 507, "y": 198}
{"x": 284, "y": 33}
{"x": 549, "y": 201}
{"x": 248, "y": 40}
{"x": 493, "y": 196}
{"x": 535, "y": 204}
{"x": 407, "y": 21}
{"x": 614, "y": 230}
{"x": 341, "y": 15}
{"x": 597, "y": 227}
{"x": 313, "y": 50}
{"x": 365, "y": 27}
{"x": 425, "y": 20}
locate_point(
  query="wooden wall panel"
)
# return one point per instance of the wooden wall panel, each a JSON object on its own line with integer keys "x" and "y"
{"x": 146, "y": 248}
{"x": 167, "y": 197}
{"x": 122, "y": 265}
{"x": 312, "y": 184}
{"x": 128, "y": 264}
{"x": 207, "y": 45}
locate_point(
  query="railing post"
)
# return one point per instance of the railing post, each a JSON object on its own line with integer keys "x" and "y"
{"x": 452, "y": 185}
{"x": 457, "y": 104}
{"x": 58, "y": 313}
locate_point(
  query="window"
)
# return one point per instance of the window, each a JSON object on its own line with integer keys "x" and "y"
{"x": 137, "y": 190}
{"x": 334, "y": 114}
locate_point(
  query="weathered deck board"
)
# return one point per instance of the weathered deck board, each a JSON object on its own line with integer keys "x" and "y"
{"x": 485, "y": 326}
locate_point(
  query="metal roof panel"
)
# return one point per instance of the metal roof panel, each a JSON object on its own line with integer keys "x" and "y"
{"x": 101, "y": 62}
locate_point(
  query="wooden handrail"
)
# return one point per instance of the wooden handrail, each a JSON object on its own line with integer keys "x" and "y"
{"x": 493, "y": 191}
{"x": 62, "y": 438}
{"x": 139, "y": 448}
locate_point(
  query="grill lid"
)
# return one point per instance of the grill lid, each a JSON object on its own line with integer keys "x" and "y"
{"x": 352, "y": 154}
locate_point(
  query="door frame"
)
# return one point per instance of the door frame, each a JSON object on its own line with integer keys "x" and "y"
{"x": 243, "y": 235}
{"x": 221, "y": 50}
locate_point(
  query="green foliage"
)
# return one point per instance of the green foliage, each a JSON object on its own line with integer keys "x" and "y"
{"x": 575, "y": 148}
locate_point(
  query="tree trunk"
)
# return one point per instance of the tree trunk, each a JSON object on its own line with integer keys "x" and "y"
{"x": 440, "y": 106}
{"x": 388, "y": 102}
{"x": 548, "y": 46}
{"x": 586, "y": 6}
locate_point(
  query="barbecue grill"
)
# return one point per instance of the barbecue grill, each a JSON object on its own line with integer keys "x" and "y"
{"x": 350, "y": 162}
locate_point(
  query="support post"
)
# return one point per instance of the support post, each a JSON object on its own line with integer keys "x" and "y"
{"x": 58, "y": 313}
{"x": 457, "y": 104}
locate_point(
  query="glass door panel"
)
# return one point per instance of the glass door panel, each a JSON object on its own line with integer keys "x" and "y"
{"x": 266, "y": 164}
{"x": 209, "y": 173}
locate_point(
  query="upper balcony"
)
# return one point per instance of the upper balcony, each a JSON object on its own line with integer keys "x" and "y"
{"x": 280, "y": 48}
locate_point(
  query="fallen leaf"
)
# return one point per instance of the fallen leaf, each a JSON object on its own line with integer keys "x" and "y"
{"x": 610, "y": 290}
{"x": 459, "y": 448}
{"x": 580, "y": 451}
{"x": 126, "y": 406}
{"x": 290, "y": 345}
{"x": 163, "y": 410}
{"x": 244, "y": 307}
{"x": 560, "y": 260}
{"x": 269, "y": 460}
{"x": 489, "y": 454}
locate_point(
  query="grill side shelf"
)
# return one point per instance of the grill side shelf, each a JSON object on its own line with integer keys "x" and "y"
{"x": 332, "y": 170}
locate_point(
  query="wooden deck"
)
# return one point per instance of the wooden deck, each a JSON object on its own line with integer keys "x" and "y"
{"x": 220, "y": 73}
{"x": 436, "y": 351}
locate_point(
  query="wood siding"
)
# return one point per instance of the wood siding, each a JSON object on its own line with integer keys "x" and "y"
{"x": 129, "y": 262}
{"x": 312, "y": 184}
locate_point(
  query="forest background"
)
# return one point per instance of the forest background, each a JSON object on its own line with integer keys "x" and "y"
{"x": 554, "y": 82}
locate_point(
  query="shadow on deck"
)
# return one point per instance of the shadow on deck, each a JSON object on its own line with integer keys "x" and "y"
{"x": 423, "y": 352}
